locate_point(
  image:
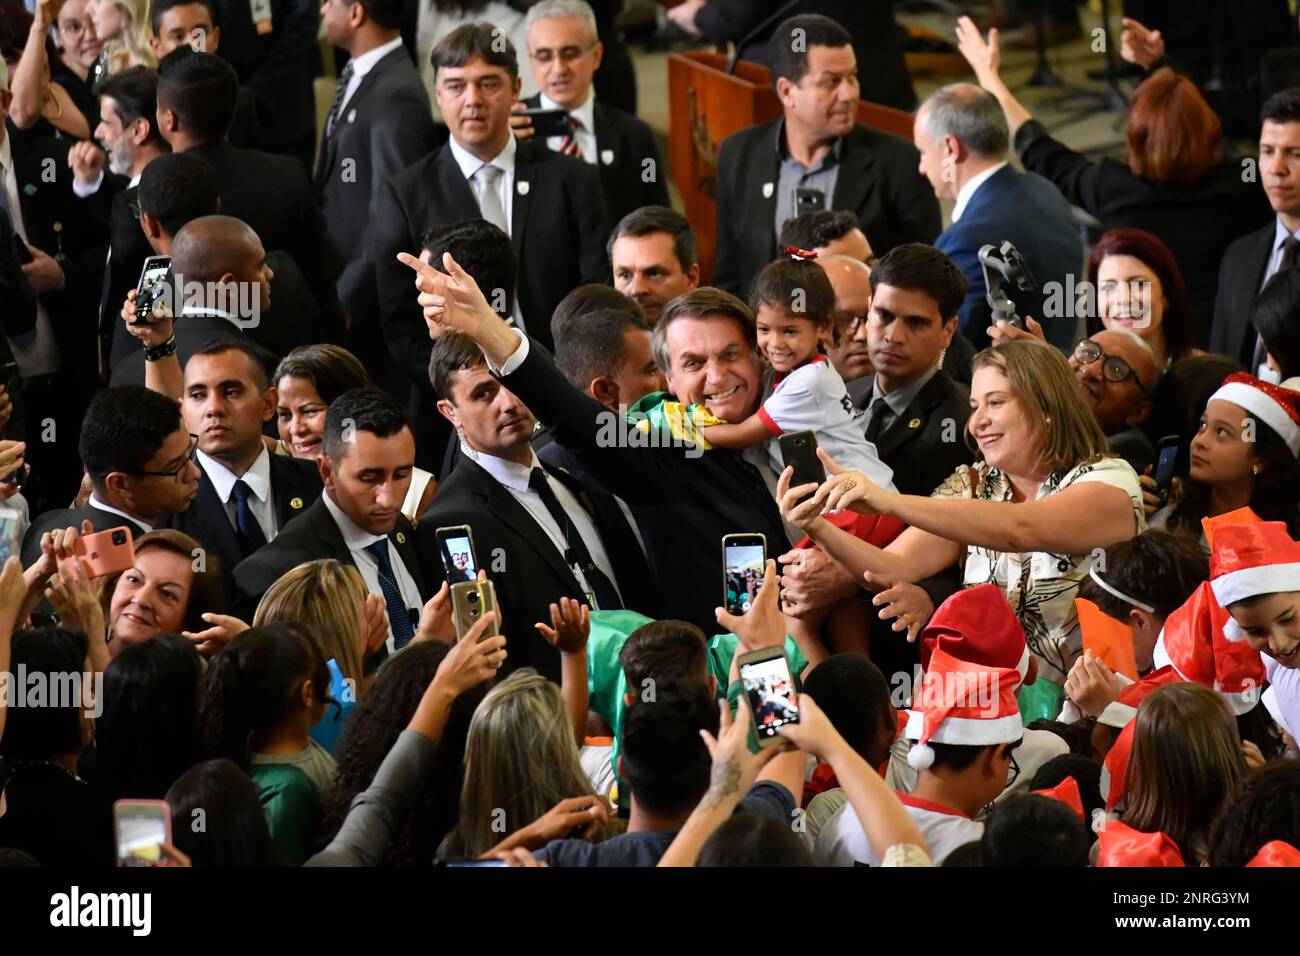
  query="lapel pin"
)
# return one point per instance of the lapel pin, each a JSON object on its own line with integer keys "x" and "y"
{"x": 352, "y": 116}
{"x": 768, "y": 189}
{"x": 295, "y": 503}
{"x": 521, "y": 187}
{"x": 29, "y": 190}
{"x": 401, "y": 537}
{"x": 914, "y": 423}
{"x": 607, "y": 157}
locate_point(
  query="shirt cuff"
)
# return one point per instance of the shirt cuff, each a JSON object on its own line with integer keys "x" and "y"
{"x": 85, "y": 191}
{"x": 516, "y": 358}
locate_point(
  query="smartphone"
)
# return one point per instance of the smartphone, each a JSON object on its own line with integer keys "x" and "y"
{"x": 456, "y": 546}
{"x": 1166, "y": 457}
{"x": 152, "y": 287}
{"x": 548, "y": 122}
{"x": 470, "y": 600}
{"x": 800, "y": 449}
{"x": 107, "y": 552}
{"x": 12, "y": 526}
{"x": 744, "y": 557}
{"x": 140, "y": 827}
{"x": 809, "y": 200}
{"x": 769, "y": 688}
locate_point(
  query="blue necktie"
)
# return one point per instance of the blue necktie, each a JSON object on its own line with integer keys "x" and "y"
{"x": 399, "y": 617}
{"x": 251, "y": 536}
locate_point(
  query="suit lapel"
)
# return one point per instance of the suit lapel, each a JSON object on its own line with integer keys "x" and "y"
{"x": 403, "y": 539}
{"x": 761, "y": 194}
{"x": 212, "y": 515}
{"x": 286, "y": 489}
{"x": 521, "y": 200}
{"x": 454, "y": 190}
{"x": 515, "y": 519}
{"x": 901, "y": 429}
{"x": 855, "y": 179}
{"x": 328, "y": 533}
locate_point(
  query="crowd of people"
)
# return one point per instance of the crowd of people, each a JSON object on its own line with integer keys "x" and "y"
{"x": 427, "y": 445}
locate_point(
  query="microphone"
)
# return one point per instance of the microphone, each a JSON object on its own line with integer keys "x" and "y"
{"x": 781, "y": 11}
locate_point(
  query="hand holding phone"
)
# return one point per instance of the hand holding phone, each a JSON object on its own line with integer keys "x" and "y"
{"x": 152, "y": 289}
{"x": 1166, "y": 459}
{"x": 548, "y": 122}
{"x": 106, "y": 552}
{"x": 456, "y": 547}
{"x": 769, "y": 690}
{"x": 744, "y": 557}
{"x": 800, "y": 450}
{"x": 470, "y": 601}
{"x": 141, "y": 827}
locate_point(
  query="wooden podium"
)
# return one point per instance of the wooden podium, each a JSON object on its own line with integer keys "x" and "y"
{"x": 705, "y": 105}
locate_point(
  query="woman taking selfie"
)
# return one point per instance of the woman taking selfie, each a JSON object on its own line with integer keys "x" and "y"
{"x": 1027, "y": 516}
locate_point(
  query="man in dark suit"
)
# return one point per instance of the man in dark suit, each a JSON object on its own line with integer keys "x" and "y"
{"x": 378, "y": 124}
{"x": 652, "y": 253}
{"x": 366, "y": 467}
{"x": 548, "y": 204}
{"x": 815, "y": 157}
{"x": 246, "y": 494}
{"x": 962, "y": 135}
{"x": 1255, "y": 258}
{"x": 196, "y": 98}
{"x": 546, "y": 533}
{"x": 565, "y": 55}
{"x": 140, "y": 459}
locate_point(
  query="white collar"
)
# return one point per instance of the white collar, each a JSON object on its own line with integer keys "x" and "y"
{"x": 972, "y": 184}
{"x": 363, "y": 64}
{"x": 258, "y": 476}
{"x": 94, "y": 502}
{"x": 355, "y": 537}
{"x": 470, "y": 164}
{"x": 513, "y": 476}
{"x": 1280, "y": 233}
{"x": 203, "y": 310}
{"x": 584, "y": 114}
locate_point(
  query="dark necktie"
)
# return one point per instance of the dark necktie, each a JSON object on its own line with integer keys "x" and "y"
{"x": 877, "y": 412}
{"x": 399, "y": 617}
{"x": 569, "y": 146}
{"x": 1290, "y": 245}
{"x": 251, "y": 536}
{"x": 340, "y": 91}
{"x": 576, "y": 553}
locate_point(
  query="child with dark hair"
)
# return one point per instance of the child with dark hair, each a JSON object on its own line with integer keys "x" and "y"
{"x": 748, "y": 840}
{"x": 1266, "y": 808}
{"x": 264, "y": 693}
{"x": 234, "y": 830}
{"x": 1085, "y": 772}
{"x": 1031, "y": 830}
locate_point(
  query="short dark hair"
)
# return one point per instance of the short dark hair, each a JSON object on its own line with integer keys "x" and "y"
{"x": 594, "y": 344}
{"x": 1085, "y": 771}
{"x": 664, "y": 759}
{"x": 648, "y": 220}
{"x": 670, "y": 653}
{"x": 812, "y": 230}
{"x": 854, "y": 695}
{"x": 482, "y": 40}
{"x": 1282, "y": 107}
{"x": 368, "y": 410}
{"x": 483, "y": 251}
{"x": 1274, "y": 317}
{"x": 177, "y": 188}
{"x": 237, "y": 833}
{"x": 159, "y": 7}
{"x": 748, "y": 840}
{"x": 591, "y": 297}
{"x": 921, "y": 268}
{"x": 386, "y": 14}
{"x": 697, "y": 304}
{"x": 1154, "y": 567}
{"x": 1266, "y": 808}
{"x": 261, "y": 375}
{"x": 135, "y": 91}
{"x": 123, "y": 428}
{"x": 38, "y": 733}
{"x": 331, "y": 368}
{"x": 201, "y": 89}
{"x": 790, "y": 59}
{"x": 452, "y": 353}
{"x": 786, "y": 283}
{"x": 1032, "y": 830}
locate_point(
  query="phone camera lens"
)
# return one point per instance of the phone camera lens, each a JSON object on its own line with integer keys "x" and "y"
{"x": 472, "y": 597}
{"x": 119, "y": 537}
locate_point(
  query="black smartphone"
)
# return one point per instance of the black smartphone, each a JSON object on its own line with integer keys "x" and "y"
{"x": 549, "y": 122}
{"x": 1166, "y": 457}
{"x": 769, "y": 689}
{"x": 456, "y": 546}
{"x": 809, "y": 200}
{"x": 744, "y": 557}
{"x": 800, "y": 450}
{"x": 152, "y": 287}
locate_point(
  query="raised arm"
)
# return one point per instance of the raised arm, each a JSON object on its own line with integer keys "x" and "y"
{"x": 568, "y": 632}
{"x": 985, "y": 58}
{"x": 30, "y": 77}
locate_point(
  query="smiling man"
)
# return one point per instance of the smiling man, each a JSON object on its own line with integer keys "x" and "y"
{"x": 1117, "y": 374}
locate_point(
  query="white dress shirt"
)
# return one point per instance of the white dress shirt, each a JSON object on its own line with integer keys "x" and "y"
{"x": 35, "y": 352}
{"x": 515, "y": 480}
{"x": 361, "y": 65}
{"x": 258, "y": 479}
{"x": 585, "y": 134}
{"x": 505, "y": 161}
{"x": 358, "y": 539}
{"x": 96, "y": 503}
{"x": 966, "y": 192}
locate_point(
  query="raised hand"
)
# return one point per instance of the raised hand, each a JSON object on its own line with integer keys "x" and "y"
{"x": 375, "y": 635}
{"x": 984, "y": 57}
{"x": 471, "y": 661}
{"x": 801, "y": 505}
{"x": 848, "y": 490}
{"x": 763, "y": 625}
{"x": 1091, "y": 684}
{"x": 86, "y": 160}
{"x": 212, "y": 639}
{"x": 908, "y": 605}
{"x": 1139, "y": 45}
{"x": 153, "y": 332}
{"x": 1006, "y": 332}
{"x": 450, "y": 300}
{"x": 570, "y": 626}
{"x": 75, "y": 597}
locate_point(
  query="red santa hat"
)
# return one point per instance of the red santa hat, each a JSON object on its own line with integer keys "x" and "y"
{"x": 1121, "y": 845}
{"x": 977, "y": 625}
{"x": 1276, "y": 853}
{"x": 1276, "y": 407}
{"x": 1121, "y": 711}
{"x": 1114, "y": 769}
{"x": 1066, "y": 792}
{"x": 1193, "y": 642}
{"x": 962, "y": 703}
{"x": 1251, "y": 559}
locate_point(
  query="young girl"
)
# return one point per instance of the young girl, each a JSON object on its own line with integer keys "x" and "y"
{"x": 264, "y": 693}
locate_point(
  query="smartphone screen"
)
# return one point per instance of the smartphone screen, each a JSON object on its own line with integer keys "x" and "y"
{"x": 1165, "y": 467}
{"x": 152, "y": 285}
{"x": 770, "y": 691}
{"x": 743, "y": 559}
{"x": 11, "y": 532}
{"x": 456, "y": 547}
{"x": 141, "y": 825}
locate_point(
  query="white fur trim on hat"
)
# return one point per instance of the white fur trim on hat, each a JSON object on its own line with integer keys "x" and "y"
{"x": 1160, "y": 657}
{"x": 1117, "y": 715}
{"x": 1261, "y": 404}
{"x": 1023, "y": 666}
{"x": 1232, "y": 631}
{"x": 970, "y": 731}
{"x": 1252, "y": 582}
{"x": 1242, "y": 701}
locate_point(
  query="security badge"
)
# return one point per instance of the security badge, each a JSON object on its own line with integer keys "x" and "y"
{"x": 295, "y": 503}
{"x": 261, "y": 11}
{"x": 768, "y": 189}
{"x": 914, "y": 423}
{"x": 352, "y": 116}
{"x": 521, "y": 187}
{"x": 607, "y": 157}
{"x": 401, "y": 537}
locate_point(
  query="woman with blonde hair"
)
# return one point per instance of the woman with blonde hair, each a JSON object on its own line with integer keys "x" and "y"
{"x": 1027, "y": 516}
{"x": 123, "y": 28}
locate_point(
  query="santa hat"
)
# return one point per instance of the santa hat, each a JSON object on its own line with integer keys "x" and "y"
{"x": 1114, "y": 770}
{"x": 977, "y": 625}
{"x": 1066, "y": 792}
{"x": 1121, "y": 845}
{"x": 1276, "y": 407}
{"x": 1121, "y": 711}
{"x": 962, "y": 703}
{"x": 1276, "y": 853}
{"x": 1193, "y": 642}
{"x": 1251, "y": 559}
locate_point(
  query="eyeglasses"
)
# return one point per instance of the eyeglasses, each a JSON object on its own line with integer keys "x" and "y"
{"x": 1114, "y": 369}
{"x": 179, "y": 469}
{"x": 567, "y": 54}
{"x": 850, "y": 323}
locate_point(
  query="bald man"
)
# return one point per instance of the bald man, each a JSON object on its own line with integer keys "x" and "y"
{"x": 1117, "y": 373}
{"x": 851, "y": 280}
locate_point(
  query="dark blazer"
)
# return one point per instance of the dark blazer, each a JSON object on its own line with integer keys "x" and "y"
{"x": 926, "y": 443}
{"x": 311, "y": 536}
{"x": 559, "y": 244}
{"x": 623, "y": 144}
{"x": 274, "y": 196}
{"x": 535, "y": 573}
{"x": 192, "y": 333}
{"x": 295, "y": 485}
{"x": 878, "y": 181}
{"x": 683, "y": 505}
{"x": 17, "y": 299}
{"x": 1032, "y": 213}
{"x": 127, "y": 250}
{"x": 1241, "y": 275}
{"x": 245, "y": 128}
{"x": 71, "y": 518}
{"x": 1197, "y": 222}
